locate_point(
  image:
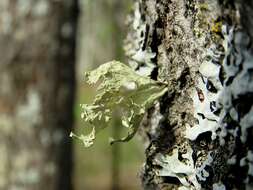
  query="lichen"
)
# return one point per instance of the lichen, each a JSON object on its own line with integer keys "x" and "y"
{"x": 29, "y": 111}
{"x": 219, "y": 186}
{"x": 205, "y": 96}
{"x": 23, "y": 7}
{"x": 120, "y": 90}
{"x": 216, "y": 27}
{"x": 201, "y": 172}
{"x": 4, "y": 166}
{"x": 203, "y": 6}
{"x": 224, "y": 84}
{"x": 237, "y": 93}
{"x": 41, "y": 8}
{"x": 173, "y": 167}
{"x": 139, "y": 52}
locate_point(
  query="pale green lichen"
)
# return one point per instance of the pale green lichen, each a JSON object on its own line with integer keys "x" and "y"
{"x": 120, "y": 91}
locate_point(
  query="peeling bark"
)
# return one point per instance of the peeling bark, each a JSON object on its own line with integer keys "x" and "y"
{"x": 200, "y": 133}
{"x": 36, "y": 93}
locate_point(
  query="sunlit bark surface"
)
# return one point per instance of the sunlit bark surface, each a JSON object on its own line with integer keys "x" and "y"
{"x": 199, "y": 135}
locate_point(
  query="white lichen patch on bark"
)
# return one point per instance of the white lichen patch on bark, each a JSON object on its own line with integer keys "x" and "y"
{"x": 219, "y": 186}
{"x": 156, "y": 118}
{"x": 27, "y": 115}
{"x": 236, "y": 96}
{"x": 237, "y": 65}
{"x": 205, "y": 57}
{"x": 173, "y": 167}
{"x": 29, "y": 112}
{"x": 242, "y": 81}
{"x": 138, "y": 50}
{"x": 201, "y": 173}
{"x": 24, "y": 172}
{"x": 205, "y": 97}
{"x": 5, "y": 17}
{"x": 41, "y": 8}
{"x": 3, "y": 166}
{"x": 36, "y": 94}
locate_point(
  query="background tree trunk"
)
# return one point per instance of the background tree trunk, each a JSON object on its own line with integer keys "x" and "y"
{"x": 199, "y": 135}
{"x": 37, "y": 50}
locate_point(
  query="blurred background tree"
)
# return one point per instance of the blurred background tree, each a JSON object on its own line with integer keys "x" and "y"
{"x": 102, "y": 30}
{"x": 37, "y": 50}
{"x": 40, "y": 62}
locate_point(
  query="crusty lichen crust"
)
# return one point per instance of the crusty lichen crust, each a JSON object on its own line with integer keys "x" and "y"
{"x": 198, "y": 136}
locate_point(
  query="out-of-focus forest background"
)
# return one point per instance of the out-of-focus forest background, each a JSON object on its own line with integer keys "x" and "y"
{"x": 102, "y": 29}
{"x": 45, "y": 48}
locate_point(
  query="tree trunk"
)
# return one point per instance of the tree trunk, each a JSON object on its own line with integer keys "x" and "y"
{"x": 199, "y": 135}
{"x": 37, "y": 48}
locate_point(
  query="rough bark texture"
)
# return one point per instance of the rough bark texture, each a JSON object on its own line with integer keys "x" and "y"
{"x": 37, "y": 50}
{"x": 199, "y": 135}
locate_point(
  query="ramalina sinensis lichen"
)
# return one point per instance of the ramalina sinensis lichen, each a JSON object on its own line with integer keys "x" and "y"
{"x": 120, "y": 92}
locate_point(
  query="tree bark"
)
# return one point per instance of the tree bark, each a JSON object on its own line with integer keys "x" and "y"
{"x": 37, "y": 48}
{"x": 199, "y": 135}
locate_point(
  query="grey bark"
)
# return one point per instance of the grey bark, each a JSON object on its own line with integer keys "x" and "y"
{"x": 37, "y": 50}
{"x": 199, "y": 135}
